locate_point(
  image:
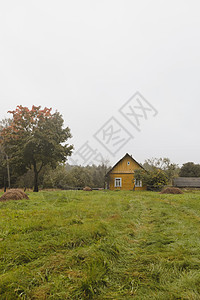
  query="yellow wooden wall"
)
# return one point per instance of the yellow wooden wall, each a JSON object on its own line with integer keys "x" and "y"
{"x": 127, "y": 181}
{"x": 126, "y": 173}
{"x": 123, "y": 167}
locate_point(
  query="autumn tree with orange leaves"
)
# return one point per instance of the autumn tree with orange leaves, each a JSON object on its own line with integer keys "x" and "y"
{"x": 35, "y": 138}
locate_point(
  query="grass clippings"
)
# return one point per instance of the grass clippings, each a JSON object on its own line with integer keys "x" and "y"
{"x": 13, "y": 194}
{"x": 87, "y": 189}
{"x": 171, "y": 190}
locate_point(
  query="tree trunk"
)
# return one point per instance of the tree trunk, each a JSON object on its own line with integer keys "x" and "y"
{"x": 36, "y": 182}
{"x": 35, "y": 189}
{"x": 4, "y": 183}
{"x": 8, "y": 171}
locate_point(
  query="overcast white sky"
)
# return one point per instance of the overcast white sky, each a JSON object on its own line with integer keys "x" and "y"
{"x": 87, "y": 58}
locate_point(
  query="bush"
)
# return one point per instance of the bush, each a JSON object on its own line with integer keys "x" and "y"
{"x": 154, "y": 180}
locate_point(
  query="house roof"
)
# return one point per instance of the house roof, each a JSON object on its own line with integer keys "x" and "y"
{"x": 126, "y": 155}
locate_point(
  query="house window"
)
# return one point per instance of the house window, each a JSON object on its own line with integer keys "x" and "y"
{"x": 128, "y": 163}
{"x": 138, "y": 183}
{"x": 118, "y": 182}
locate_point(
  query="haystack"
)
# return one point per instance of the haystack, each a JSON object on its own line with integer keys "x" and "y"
{"x": 171, "y": 190}
{"x": 13, "y": 194}
{"x": 87, "y": 189}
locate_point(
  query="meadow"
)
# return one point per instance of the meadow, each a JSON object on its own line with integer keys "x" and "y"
{"x": 100, "y": 245}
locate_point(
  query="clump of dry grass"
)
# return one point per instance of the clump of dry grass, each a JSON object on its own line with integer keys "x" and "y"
{"x": 13, "y": 194}
{"x": 87, "y": 189}
{"x": 171, "y": 190}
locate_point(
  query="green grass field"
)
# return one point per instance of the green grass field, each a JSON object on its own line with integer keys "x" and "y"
{"x": 100, "y": 245}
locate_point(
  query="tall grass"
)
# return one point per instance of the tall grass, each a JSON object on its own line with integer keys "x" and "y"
{"x": 100, "y": 245}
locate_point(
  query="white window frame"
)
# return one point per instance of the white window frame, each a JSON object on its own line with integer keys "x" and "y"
{"x": 128, "y": 163}
{"x": 118, "y": 179}
{"x": 138, "y": 183}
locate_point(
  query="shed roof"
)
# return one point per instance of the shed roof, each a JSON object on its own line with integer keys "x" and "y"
{"x": 187, "y": 182}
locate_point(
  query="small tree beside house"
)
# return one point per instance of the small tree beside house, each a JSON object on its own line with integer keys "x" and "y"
{"x": 154, "y": 180}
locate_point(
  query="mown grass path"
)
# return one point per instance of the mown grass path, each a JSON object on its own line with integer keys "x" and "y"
{"x": 100, "y": 245}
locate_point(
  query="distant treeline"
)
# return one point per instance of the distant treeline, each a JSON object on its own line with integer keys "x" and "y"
{"x": 66, "y": 176}
{"x": 63, "y": 177}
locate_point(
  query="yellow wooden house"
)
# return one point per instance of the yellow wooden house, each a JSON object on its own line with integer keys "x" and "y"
{"x": 121, "y": 176}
